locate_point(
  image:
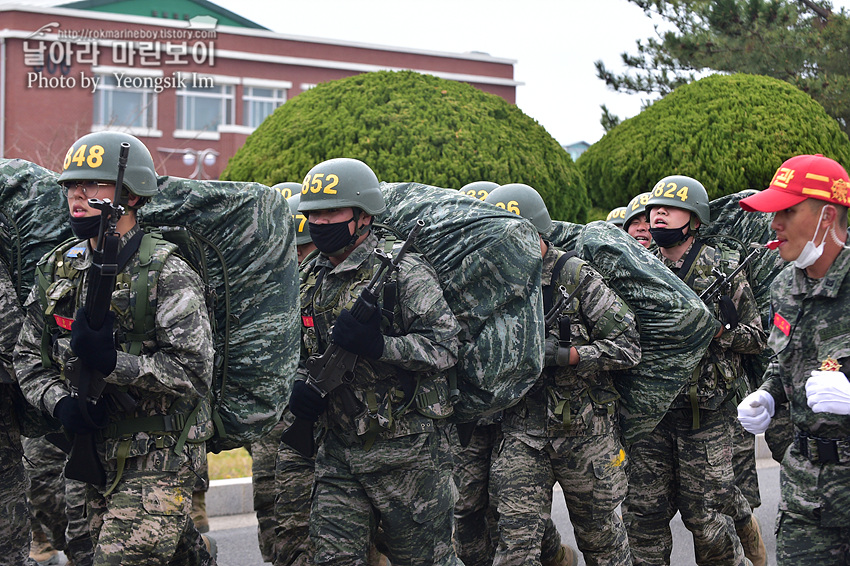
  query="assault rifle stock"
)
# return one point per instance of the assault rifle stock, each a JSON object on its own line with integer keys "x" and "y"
{"x": 334, "y": 369}
{"x": 88, "y": 385}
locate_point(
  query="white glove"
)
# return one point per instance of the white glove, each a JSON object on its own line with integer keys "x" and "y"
{"x": 828, "y": 392}
{"x": 755, "y": 411}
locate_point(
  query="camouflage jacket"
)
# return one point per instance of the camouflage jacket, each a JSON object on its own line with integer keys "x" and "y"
{"x": 173, "y": 372}
{"x": 810, "y": 325}
{"x": 581, "y": 400}
{"x": 721, "y": 374}
{"x": 420, "y": 344}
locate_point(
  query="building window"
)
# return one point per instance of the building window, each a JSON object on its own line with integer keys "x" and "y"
{"x": 205, "y": 109}
{"x": 131, "y": 105}
{"x": 258, "y": 103}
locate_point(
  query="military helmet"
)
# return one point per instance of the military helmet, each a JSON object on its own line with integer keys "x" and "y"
{"x": 94, "y": 157}
{"x": 636, "y": 207}
{"x": 340, "y": 183}
{"x": 617, "y": 216}
{"x": 288, "y": 189}
{"x": 524, "y": 201}
{"x": 302, "y": 230}
{"x": 681, "y": 192}
{"x": 478, "y": 189}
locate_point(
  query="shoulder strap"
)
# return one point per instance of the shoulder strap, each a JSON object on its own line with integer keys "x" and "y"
{"x": 45, "y": 273}
{"x": 150, "y": 260}
{"x": 685, "y": 272}
{"x": 556, "y": 272}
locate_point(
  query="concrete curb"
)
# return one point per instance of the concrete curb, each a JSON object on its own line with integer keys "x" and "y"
{"x": 235, "y": 496}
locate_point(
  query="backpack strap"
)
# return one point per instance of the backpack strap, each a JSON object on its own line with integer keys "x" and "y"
{"x": 153, "y": 252}
{"x": 556, "y": 272}
{"x": 54, "y": 266}
{"x": 686, "y": 272}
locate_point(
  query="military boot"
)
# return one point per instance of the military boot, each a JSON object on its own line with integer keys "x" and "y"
{"x": 41, "y": 550}
{"x": 566, "y": 557}
{"x": 199, "y": 511}
{"x": 753, "y": 543}
{"x": 376, "y": 558}
{"x": 211, "y": 545}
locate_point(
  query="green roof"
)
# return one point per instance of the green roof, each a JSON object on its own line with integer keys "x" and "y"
{"x": 166, "y": 9}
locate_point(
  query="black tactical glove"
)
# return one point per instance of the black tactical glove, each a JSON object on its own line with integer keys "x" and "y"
{"x": 68, "y": 412}
{"x": 363, "y": 339}
{"x": 306, "y": 403}
{"x": 96, "y": 348}
{"x": 728, "y": 313}
{"x": 555, "y": 355}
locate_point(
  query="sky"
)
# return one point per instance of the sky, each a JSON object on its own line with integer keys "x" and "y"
{"x": 554, "y": 43}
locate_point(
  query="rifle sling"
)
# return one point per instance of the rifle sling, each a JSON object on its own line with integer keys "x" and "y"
{"x": 685, "y": 272}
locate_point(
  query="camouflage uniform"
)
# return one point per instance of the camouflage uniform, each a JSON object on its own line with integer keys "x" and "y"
{"x": 15, "y": 528}
{"x": 565, "y": 430}
{"x": 403, "y": 479}
{"x": 145, "y": 519}
{"x": 685, "y": 464}
{"x": 58, "y": 504}
{"x": 813, "y": 525}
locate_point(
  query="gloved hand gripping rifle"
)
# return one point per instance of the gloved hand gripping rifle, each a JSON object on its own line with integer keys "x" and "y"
{"x": 88, "y": 385}
{"x": 334, "y": 369}
{"x": 721, "y": 287}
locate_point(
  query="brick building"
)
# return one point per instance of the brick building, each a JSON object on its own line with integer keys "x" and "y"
{"x": 192, "y": 81}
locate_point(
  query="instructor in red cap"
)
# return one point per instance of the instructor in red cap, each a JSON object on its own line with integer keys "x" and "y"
{"x": 810, "y": 337}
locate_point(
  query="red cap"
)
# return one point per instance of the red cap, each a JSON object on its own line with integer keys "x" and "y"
{"x": 799, "y": 178}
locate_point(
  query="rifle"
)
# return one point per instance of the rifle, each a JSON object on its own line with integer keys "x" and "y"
{"x": 718, "y": 291}
{"x": 88, "y": 385}
{"x": 722, "y": 282}
{"x": 334, "y": 369}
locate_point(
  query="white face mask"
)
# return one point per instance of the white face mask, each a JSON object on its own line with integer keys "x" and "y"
{"x": 811, "y": 253}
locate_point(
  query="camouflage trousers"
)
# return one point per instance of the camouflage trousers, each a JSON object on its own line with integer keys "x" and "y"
{"x": 476, "y": 519}
{"x": 146, "y": 519}
{"x": 58, "y": 505}
{"x": 283, "y": 484}
{"x": 403, "y": 483}
{"x": 813, "y": 524}
{"x": 744, "y": 466}
{"x": 590, "y": 472}
{"x": 15, "y": 526}
{"x": 263, "y": 455}
{"x": 677, "y": 468}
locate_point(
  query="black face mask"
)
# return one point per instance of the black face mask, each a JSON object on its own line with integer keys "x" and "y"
{"x": 332, "y": 239}
{"x": 86, "y": 227}
{"x": 669, "y": 237}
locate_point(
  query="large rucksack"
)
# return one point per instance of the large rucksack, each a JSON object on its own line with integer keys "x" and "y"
{"x": 31, "y": 224}
{"x": 675, "y": 326}
{"x": 489, "y": 265}
{"x": 239, "y": 237}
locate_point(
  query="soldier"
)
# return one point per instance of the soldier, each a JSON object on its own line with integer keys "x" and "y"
{"x": 617, "y": 216}
{"x": 15, "y": 529}
{"x": 386, "y": 458}
{"x": 565, "y": 428}
{"x": 141, "y": 515}
{"x": 635, "y": 222}
{"x": 809, "y": 196}
{"x": 685, "y": 464}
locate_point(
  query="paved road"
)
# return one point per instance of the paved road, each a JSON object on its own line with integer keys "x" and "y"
{"x": 237, "y": 534}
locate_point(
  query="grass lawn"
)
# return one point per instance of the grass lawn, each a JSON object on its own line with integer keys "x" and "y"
{"x": 229, "y": 464}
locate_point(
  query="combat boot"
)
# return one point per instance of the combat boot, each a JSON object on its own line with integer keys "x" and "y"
{"x": 199, "y": 511}
{"x": 42, "y": 551}
{"x": 211, "y": 545}
{"x": 753, "y": 543}
{"x": 566, "y": 557}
